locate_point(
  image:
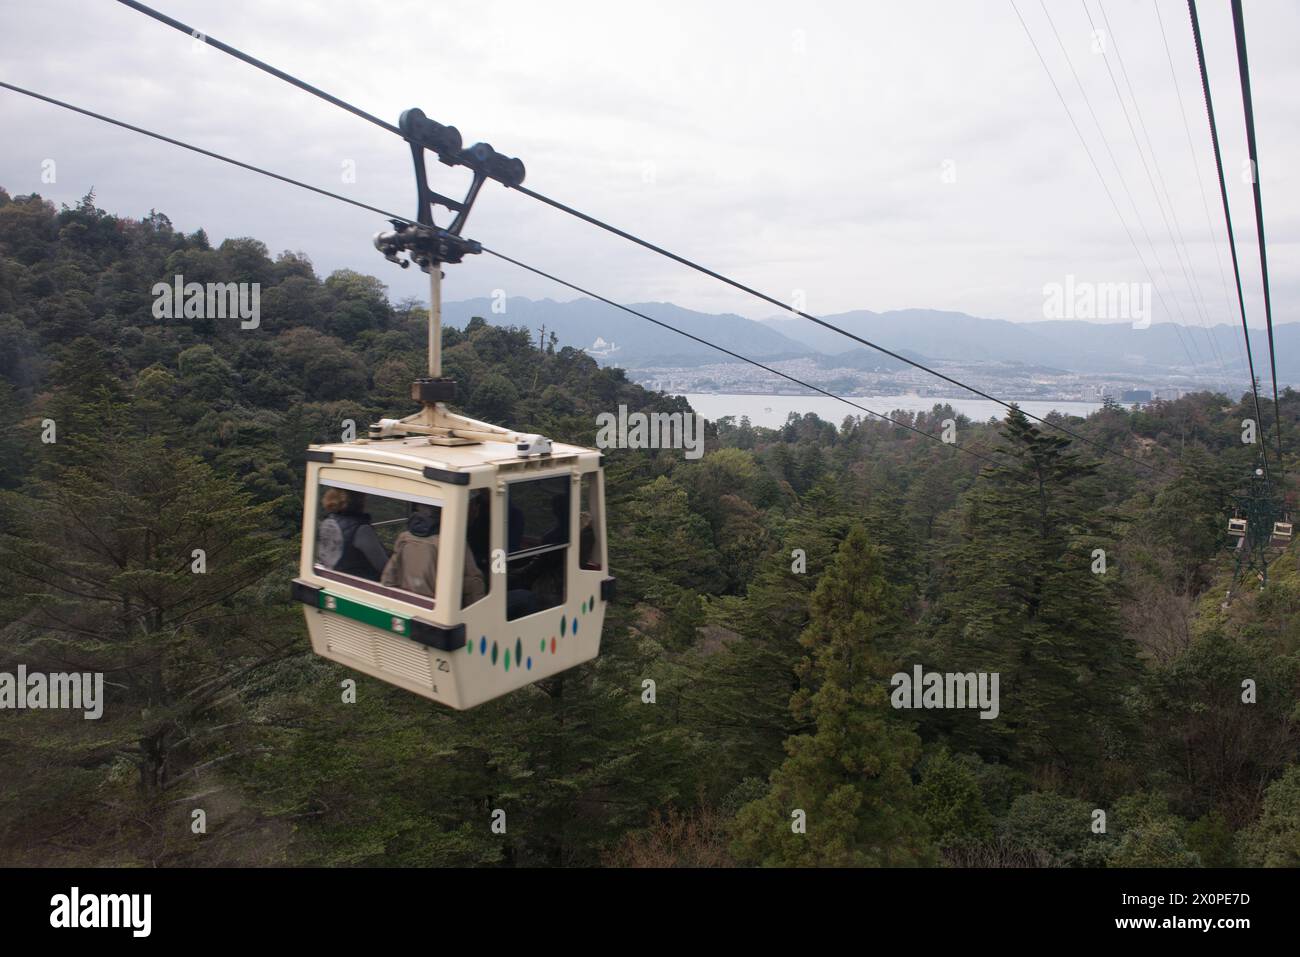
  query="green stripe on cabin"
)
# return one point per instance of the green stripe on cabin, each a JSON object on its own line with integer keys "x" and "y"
{"x": 366, "y": 614}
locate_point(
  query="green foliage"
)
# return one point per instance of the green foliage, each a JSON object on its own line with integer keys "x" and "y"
{"x": 660, "y": 546}
{"x": 685, "y": 620}
{"x": 952, "y": 803}
{"x": 1274, "y": 840}
{"x": 1023, "y": 602}
{"x": 1207, "y": 744}
{"x": 1149, "y": 836}
{"x": 851, "y": 776}
{"x": 748, "y": 595}
{"x": 1056, "y": 830}
{"x": 1210, "y": 838}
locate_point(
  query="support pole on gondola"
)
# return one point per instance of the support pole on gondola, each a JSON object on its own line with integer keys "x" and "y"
{"x": 435, "y": 322}
{"x": 429, "y": 245}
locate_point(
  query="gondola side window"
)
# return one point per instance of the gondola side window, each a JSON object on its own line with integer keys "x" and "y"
{"x": 589, "y": 530}
{"x": 537, "y": 542}
{"x": 478, "y": 554}
{"x": 378, "y": 542}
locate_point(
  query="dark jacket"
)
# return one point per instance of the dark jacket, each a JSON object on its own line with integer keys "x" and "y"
{"x": 336, "y": 546}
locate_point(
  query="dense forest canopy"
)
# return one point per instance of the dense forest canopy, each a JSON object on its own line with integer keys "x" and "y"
{"x": 770, "y": 593}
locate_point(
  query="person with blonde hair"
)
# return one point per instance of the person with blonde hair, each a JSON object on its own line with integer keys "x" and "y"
{"x": 345, "y": 540}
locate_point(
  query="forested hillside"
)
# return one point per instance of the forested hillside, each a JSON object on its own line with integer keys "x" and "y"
{"x": 767, "y": 594}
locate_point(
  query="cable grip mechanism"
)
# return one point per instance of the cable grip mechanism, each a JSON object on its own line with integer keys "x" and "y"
{"x": 424, "y": 242}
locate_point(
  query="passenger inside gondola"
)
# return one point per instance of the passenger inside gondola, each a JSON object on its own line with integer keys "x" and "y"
{"x": 345, "y": 540}
{"x": 413, "y": 566}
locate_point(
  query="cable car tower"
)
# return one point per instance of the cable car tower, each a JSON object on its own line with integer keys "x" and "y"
{"x": 451, "y": 557}
{"x": 1261, "y": 525}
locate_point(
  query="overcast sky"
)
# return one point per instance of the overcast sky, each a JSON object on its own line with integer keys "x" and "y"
{"x": 872, "y": 155}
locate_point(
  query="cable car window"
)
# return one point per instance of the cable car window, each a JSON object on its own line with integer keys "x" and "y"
{"x": 384, "y": 544}
{"x": 589, "y": 531}
{"x": 538, "y": 514}
{"x": 537, "y": 541}
{"x": 478, "y": 542}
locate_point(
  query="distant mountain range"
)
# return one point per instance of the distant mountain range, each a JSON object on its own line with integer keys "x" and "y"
{"x": 1072, "y": 345}
{"x": 636, "y": 342}
{"x": 618, "y": 338}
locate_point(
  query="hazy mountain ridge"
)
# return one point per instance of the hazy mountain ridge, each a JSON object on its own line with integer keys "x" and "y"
{"x": 1073, "y": 345}
{"x": 581, "y": 322}
{"x": 1068, "y": 344}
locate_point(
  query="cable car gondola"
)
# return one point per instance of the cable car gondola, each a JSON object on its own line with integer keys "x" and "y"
{"x": 493, "y": 557}
{"x": 1260, "y": 527}
{"x": 451, "y": 557}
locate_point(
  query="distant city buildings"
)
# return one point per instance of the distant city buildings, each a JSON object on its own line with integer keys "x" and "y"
{"x": 1010, "y": 380}
{"x": 1137, "y": 396}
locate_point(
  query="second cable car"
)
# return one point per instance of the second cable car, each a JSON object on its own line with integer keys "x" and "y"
{"x": 451, "y": 557}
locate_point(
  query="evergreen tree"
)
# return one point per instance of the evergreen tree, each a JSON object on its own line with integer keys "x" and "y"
{"x": 1025, "y": 602}
{"x": 130, "y": 559}
{"x": 850, "y": 775}
{"x": 660, "y": 546}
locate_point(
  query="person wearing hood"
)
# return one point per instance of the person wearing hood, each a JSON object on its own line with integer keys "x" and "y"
{"x": 413, "y": 566}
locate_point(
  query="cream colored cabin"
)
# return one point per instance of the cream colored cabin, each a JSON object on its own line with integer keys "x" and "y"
{"x": 527, "y": 525}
